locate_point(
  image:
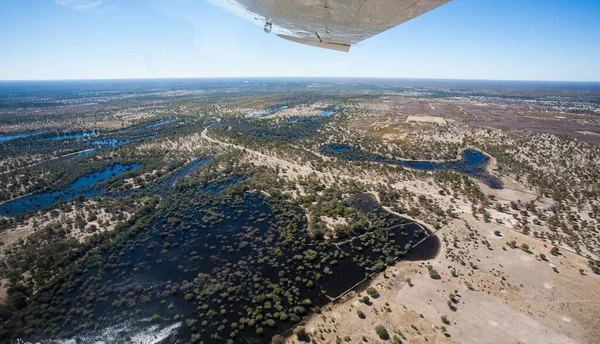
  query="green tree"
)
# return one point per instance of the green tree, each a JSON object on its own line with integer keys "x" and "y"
{"x": 277, "y": 339}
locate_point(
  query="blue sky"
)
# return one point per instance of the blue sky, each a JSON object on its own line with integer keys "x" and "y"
{"x": 464, "y": 39}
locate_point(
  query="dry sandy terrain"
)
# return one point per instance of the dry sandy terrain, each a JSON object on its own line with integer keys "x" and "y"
{"x": 11, "y": 238}
{"x": 426, "y": 119}
{"x": 39, "y": 221}
{"x": 512, "y": 296}
{"x": 585, "y": 132}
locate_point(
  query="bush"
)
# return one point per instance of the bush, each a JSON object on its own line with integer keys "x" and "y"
{"x": 372, "y": 292}
{"x": 318, "y": 234}
{"x": 277, "y": 339}
{"x": 360, "y": 314}
{"x": 433, "y": 273}
{"x": 382, "y": 332}
{"x": 445, "y": 320}
{"x": 302, "y": 335}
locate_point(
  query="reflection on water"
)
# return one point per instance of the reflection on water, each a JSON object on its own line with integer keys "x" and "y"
{"x": 142, "y": 331}
{"x": 329, "y": 111}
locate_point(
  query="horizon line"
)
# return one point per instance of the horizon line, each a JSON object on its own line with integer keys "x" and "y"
{"x": 293, "y": 77}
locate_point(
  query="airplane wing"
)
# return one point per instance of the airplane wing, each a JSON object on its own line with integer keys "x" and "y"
{"x": 330, "y": 24}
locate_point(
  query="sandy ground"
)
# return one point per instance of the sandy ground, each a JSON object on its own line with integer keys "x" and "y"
{"x": 426, "y": 119}
{"x": 37, "y": 222}
{"x": 332, "y": 223}
{"x": 585, "y": 132}
{"x": 533, "y": 304}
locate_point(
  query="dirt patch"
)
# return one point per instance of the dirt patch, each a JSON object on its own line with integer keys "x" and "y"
{"x": 426, "y": 119}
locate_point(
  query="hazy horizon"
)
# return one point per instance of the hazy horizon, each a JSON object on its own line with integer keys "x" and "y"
{"x": 258, "y": 77}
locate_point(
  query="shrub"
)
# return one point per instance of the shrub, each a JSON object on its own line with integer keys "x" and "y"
{"x": 277, "y": 339}
{"x": 433, "y": 273}
{"x": 360, "y": 314}
{"x": 372, "y": 292}
{"x": 318, "y": 234}
{"x": 382, "y": 332}
{"x": 301, "y": 334}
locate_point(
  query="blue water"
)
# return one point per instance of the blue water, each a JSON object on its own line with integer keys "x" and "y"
{"x": 340, "y": 148}
{"x": 83, "y": 185}
{"x": 78, "y": 154}
{"x": 4, "y": 138}
{"x": 268, "y": 112}
{"x": 472, "y": 163}
{"x": 112, "y": 142}
{"x": 163, "y": 122}
{"x": 186, "y": 170}
{"x": 328, "y": 112}
{"x": 108, "y": 142}
{"x": 324, "y": 113}
{"x": 59, "y": 137}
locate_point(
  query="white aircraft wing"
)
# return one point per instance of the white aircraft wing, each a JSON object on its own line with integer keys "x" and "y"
{"x": 331, "y": 24}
